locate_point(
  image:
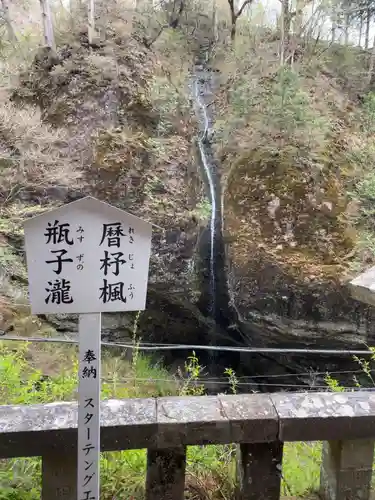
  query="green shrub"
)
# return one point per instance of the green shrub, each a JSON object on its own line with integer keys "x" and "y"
{"x": 170, "y": 102}
{"x": 301, "y": 468}
{"x": 275, "y": 106}
{"x": 210, "y": 471}
{"x": 369, "y": 112}
{"x": 21, "y": 384}
{"x": 289, "y": 111}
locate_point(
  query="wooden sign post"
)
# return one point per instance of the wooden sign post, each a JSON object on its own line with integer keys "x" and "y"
{"x": 87, "y": 257}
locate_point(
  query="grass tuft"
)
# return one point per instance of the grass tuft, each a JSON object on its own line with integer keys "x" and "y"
{"x": 210, "y": 471}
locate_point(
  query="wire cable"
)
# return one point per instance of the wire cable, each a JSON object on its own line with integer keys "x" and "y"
{"x": 167, "y": 347}
{"x": 311, "y": 373}
{"x": 125, "y": 381}
{"x": 247, "y": 384}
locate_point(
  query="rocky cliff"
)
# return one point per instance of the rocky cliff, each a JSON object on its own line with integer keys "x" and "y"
{"x": 290, "y": 148}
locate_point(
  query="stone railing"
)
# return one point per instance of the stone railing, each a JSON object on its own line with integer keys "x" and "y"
{"x": 258, "y": 423}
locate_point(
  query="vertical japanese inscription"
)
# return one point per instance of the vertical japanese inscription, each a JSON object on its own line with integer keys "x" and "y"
{"x": 89, "y": 408}
{"x": 80, "y": 259}
{"x": 112, "y": 240}
{"x": 131, "y": 288}
{"x": 58, "y": 236}
{"x": 84, "y": 263}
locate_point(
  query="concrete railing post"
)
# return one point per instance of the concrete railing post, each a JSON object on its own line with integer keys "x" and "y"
{"x": 346, "y": 470}
{"x": 166, "y": 473}
{"x": 59, "y": 475}
{"x": 259, "y": 471}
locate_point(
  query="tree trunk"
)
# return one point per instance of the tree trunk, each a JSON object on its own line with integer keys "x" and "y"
{"x": 298, "y": 24}
{"x": 334, "y": 25}
{"x": 233, "y": 19}
{"x": 233, "y": 30}
{"x": 368, "y": 22}
{"x": 333, "y": 36}
{"x": 346, "y": 32}
{"x": 235, "y": 15}
{"x": 282, "y": 36}
{"x": 91, "y": 21}
{"x": 214, "y": 21}
{"x": 49, "y": 38}
{"x": 360, "y": 32}
{"x": 5, "y": 8}
{"x": 371, "y": 66}
{"x": 175, "y": 17}
{"x": 287, "y": 19}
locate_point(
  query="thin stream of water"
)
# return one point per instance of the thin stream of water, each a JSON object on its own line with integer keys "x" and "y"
{"x": 208, "y": 170}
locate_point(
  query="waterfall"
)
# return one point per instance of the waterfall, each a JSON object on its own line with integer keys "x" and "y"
{"x": 215, "y": 297}
{"x": 205, "y": 154}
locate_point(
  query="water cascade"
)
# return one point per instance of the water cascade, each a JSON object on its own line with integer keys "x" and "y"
{"x": 257, "y": 329}
{"x": 205, "y": 82}
{"x": 203, "y": 143}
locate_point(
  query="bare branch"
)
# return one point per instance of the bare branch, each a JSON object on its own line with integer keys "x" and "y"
{"x": 245, "y": 4}
{"x": 149, "y": 43}
{"x": 235, "y": 15}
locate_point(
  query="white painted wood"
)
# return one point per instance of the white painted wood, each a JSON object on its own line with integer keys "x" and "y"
{"x": 87, "y": 257}
{"x": 88, "y": 484}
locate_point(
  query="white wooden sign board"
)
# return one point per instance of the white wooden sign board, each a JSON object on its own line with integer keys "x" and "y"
{"x": 87, "y": 257}
{"x": 362, "y": 288}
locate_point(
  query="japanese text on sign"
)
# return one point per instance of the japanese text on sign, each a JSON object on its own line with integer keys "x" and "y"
{"x": 87, "y": 257}
{"x": 89, "y": 407}
{"x": 84, "y": 260}
{"x": 113, "y": 261}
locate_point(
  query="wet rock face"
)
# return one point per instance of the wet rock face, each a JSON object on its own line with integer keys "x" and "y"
{"x": 112, "y": 129}
{"x": 291, "y": 244}
{"x": 102, "y": 98}
{"x": 265, "y": 287}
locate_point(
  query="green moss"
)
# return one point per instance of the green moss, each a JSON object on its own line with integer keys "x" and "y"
{"x": 202, "y": 211}
{"x": 311, "y": 207}
{"x": 118, "y": 149}
{"x": 10, "y": 227}
{"x": 12, "y": 263}
{"x": 13, "y": 217}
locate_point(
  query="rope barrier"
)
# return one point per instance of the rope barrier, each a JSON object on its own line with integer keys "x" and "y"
{"x": 167, "y": 347}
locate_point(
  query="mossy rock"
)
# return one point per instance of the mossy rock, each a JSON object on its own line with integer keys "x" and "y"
{"x": 283, "y": 199}
{"x": 60, "y": 83}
